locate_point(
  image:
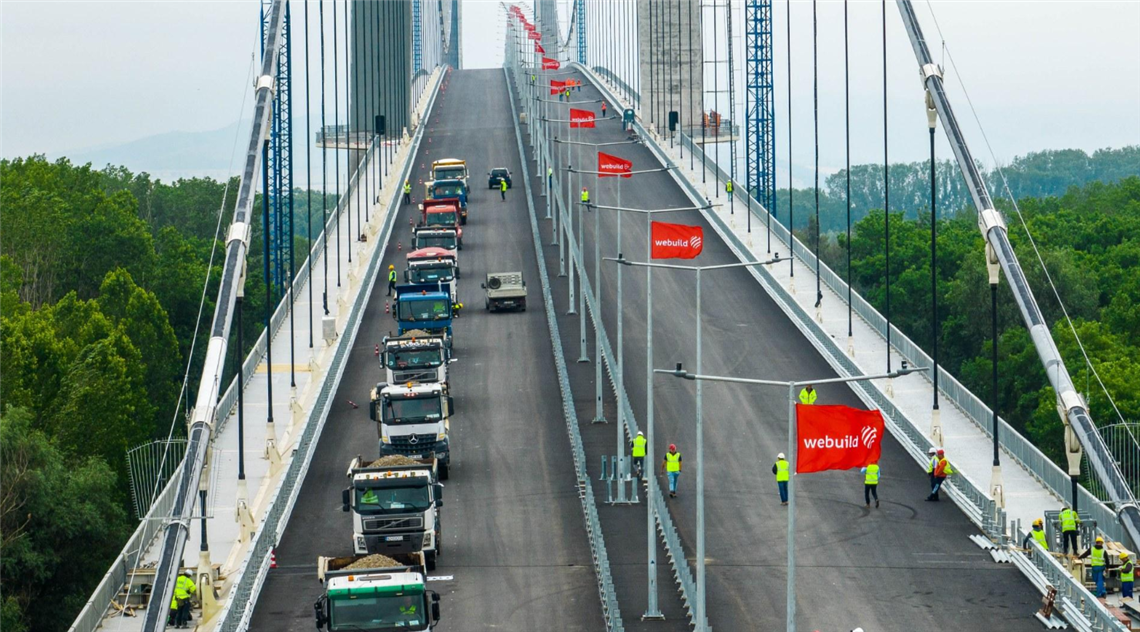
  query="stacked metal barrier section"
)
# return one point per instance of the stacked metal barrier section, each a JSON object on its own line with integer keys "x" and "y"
{"x": 606, "y": 591}
{"x": 974, "y": 501}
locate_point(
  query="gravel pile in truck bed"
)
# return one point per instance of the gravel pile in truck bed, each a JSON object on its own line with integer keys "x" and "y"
{"x": 393, "y": 459}
{"x": 373, "y": 561}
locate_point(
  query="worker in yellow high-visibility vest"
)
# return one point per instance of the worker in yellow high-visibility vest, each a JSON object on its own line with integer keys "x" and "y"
{"x": 783, "y": 473}
{"x": 1070, "y": 522}
{"x": 637, "y": 451}
{"x": 671, "y": 465}
{"x": 808, "y": 395}
{"x": 871, "y": 484}
{"x": 391, "y": 280}
{"x": 1127, "y": 574}
{"x": 1036, "y": 533}
{"x": 184, "y": 588}
{"x": 1096, "y": 564}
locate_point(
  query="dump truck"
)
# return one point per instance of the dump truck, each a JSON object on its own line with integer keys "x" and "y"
{"x": 418, "y": 356}
{"x": 375, "y": 593}
{"x": 395, "y": 508}
{"x": 433, "y": 265}
{"x": 449, "y": 169}
{"x": 426, "y": 306}
{"x": 443, "y": 213}
{"x": 448, "y": 190}
{"x": 505, "y": 290}
{"x": 436, "y": 237}
{"x": 413, "y": 421}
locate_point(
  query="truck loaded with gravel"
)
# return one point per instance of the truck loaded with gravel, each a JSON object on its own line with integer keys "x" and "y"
{"x": 395, "y": 503}
{"x": 373, "y": 593}
{"x": 505, "y": 290}
{"x": 418, "y": 356}
{"x": 413, "y": 421}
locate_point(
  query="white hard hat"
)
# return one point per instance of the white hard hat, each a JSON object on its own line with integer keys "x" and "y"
{"x": 932, "y": 451}
{"x": 188, "y": 573}
{"x": 640, "y": 432}
{"x": 857, "y": 630}
{"x": 780, "y": 455}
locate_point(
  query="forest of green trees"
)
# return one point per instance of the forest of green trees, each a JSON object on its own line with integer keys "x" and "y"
{"x": 101, "y": 278}
{"x": 102, "y": 272}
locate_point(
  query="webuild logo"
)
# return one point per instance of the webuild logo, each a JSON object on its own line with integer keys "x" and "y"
{"x": 837, "y": 437}
{"x": 676, "y": 241}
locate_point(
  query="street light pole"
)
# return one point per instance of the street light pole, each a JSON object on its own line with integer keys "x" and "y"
{"x": 791, "y": 386}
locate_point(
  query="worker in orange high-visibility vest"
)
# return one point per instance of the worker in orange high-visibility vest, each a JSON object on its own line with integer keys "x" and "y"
{"x": 941, "y": 470}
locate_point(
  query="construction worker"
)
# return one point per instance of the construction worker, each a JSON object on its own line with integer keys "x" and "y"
{"x": 1096, "y": 564}
{"x": 1127, "y": 573}
{"x": 1037, "y": 533}
{"x": 567, "y": 89}
{"x": 728, "y": 187}
{"x": 369, "y": 497}
{"x": 637, "y": 451}
{"x": 942, "y": 469}
{"x": 184, "y": 588}
{"x": 585, "y": 196}
{"x": 603, "y": 109}
{"x": 931, "y": 462}
{"x": 503, "y": 189}
{"x": 391, "y": 280}
{"x": 407, "y": 192}
{"x": 808, "y": 395}
{"x": 871, "y": 484}
{"x": 671, "y": 465}
{"x": 549, "y": 178}
{"x": 1070, "y": 522}
{"x": 783, "y": 473}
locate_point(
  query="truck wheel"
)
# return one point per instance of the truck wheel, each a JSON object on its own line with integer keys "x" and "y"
{"x": 444, "y": 471}
{"x": 430, "y": 560}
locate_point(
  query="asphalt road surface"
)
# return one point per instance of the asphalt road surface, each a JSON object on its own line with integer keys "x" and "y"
{"x": 905, "y": 566}
{"x": 513, "y": 532}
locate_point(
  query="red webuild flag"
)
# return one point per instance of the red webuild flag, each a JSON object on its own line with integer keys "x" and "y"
{"x": 527, "y": 25}
{"x": 548, "y": 63}
{"x": 675, "y": 241}
{"x": 612, "y": 166}
{"x": 534, "y": 35}
{"x": 837, "y": 438}
{"x": 581, "y": 118}
{"x": 539, "y": 49}
{"x": 557, "y": 86}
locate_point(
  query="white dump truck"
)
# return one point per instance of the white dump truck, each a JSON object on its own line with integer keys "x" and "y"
{"x": 413, "y": 421}
{"x": 418, "y": 356}
{"x": 395, "y": 504}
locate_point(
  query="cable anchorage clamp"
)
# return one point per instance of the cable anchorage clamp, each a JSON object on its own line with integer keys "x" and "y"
{"x": 930, "y": 70}
{"x": 265, "y": 81}
{"x": 239, "y": 231}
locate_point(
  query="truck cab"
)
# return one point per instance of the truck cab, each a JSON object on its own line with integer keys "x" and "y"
{"x": 443, "y": 213}
{"x": 413, "y": 421}
{"x": 417, "y": 356}
{"x": 375, "y": 598}
{"x": 395, "y": 508}
{"x": 426, "y": 306}
{"x": 449, "y": 169}
{"x": 448, "y": 189}
{"x": 432, "y": 265}
{"x": 437, "y": 237}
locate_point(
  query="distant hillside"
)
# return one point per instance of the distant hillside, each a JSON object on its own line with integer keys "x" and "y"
{"x": 175, "y": 155}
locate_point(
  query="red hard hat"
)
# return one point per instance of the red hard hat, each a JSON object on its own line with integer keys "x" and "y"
{"x": 941, "y": 452}
{"x": 672, "y": 447}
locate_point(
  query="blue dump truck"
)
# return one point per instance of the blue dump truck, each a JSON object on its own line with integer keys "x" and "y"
{"x": 424, "y": 306}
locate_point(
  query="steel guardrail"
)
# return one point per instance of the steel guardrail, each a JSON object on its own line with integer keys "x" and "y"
{"x": 606, "y": 591}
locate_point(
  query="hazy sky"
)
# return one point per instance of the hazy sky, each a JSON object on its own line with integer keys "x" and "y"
{"x": 80, "y": 74}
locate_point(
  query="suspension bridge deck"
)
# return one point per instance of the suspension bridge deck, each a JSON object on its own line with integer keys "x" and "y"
{"x": 906, "y": 566}
{"x": 515, "y": 554}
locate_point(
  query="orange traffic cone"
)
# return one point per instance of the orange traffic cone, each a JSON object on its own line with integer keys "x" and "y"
{"x": 272, "y": 558}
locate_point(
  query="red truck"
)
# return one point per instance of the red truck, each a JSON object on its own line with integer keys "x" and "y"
{"x": 443, "y": 213}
